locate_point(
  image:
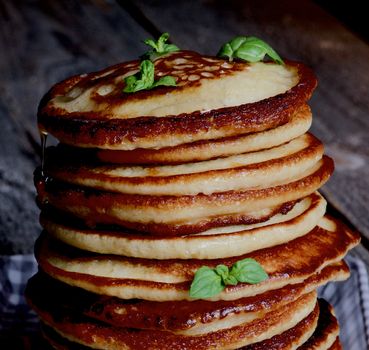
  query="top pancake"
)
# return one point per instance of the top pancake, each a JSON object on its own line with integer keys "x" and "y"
{"x": 213, "y": 99}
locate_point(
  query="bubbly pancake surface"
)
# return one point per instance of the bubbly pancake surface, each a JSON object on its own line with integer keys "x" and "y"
{"x": 203, "y": 84}
{"x": 208, "y": 103}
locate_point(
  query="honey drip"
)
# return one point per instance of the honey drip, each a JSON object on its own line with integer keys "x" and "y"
{"x": 43, "y": 135}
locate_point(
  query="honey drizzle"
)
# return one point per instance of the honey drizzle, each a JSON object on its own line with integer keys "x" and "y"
{"x": 43, "y": 136}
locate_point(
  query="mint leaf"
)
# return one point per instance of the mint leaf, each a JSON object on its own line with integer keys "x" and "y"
{"x": 250, "y": 49}
{"x": 151, "y": 43}
{"x": 248, "y": 271}
{"x": 144, "y": 79}
{"x": 206, "y": 283}
{"x": 165, "y": 81}
{"x": 141, "y": 80}
{"x": 229, "y": 49}
{"x": 159, "y": 47}
{"x": 230, "y": 280}
{"x": 222, "y": 271}
{"x": 209, "y": 282}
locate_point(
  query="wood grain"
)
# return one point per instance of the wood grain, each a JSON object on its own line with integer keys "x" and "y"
{"x": 42, "y": 42}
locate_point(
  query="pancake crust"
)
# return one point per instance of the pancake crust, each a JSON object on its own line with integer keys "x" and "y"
{"x": 215, "y": 243}
{"x": 164, "y": 214}
{"x": 97, "y": 335}
{"x": 323, "y": 337}
{"x": 289, "y": 339}
{"x": 326, "y": 335}
{"x": 326, "y": 327}
{"x": 76, "y": 113}
{"x": 260, "y": 169}
{"x": 336, "y": 345}
{"x": 165, "y": 280}
{"x": 173, "y": 316}
{"x": 210, "y": 149}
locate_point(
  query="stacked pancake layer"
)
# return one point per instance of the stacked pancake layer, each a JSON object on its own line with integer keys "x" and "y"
{"x": 146, "y": 188}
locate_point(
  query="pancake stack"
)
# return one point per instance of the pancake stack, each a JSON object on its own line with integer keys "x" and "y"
{"x": 146, "y": 188}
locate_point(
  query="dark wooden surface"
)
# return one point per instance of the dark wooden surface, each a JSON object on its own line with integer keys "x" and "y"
{"x": 42, "y": 42}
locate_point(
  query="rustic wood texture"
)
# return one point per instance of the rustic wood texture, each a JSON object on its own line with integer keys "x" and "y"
{"x": 42, "y": 42}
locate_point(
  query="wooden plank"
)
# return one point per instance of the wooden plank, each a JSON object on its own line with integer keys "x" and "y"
{"x": 302, "y": 31}
{"x": 42, "y": 42}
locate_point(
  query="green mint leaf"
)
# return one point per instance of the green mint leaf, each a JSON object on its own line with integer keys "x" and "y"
{"x": 159, "y": 47}
{"x": 165, "y": 81}
{"x": 141, "y": 80}
{"x": 230, "y": 280}
{"x": 151, "y": 43}
{"x": 248, "y": 271}
{"x": 206, "y": 283}
{"x": 250, "y": 49}
{"x": 226, "y": 51}
{"x": 144, "y": 79}
{"x": 170, "y": 48}
{"x": 161, "y": 42}
{"x": 209, "y": 282}
{"x": 229, "y": 49}
{"x": 222, "y": 271}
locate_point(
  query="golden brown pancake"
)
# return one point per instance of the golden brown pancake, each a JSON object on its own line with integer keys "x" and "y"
{"x": 148, "y": 187}
{"x": 323, "y": 337}
{"x": 327, "y": 326}
{"x": 261, "y": 169}
{"x": 326, "y": 335}
{"x": 219, "y": 242}
{"x": 210, "y": 149}
{"x": 164, "y": 280}
{"x": 173, "y": 316}
{"x": 92, "y": 333}
{"x": 213, "y": 99}
{"x": 336, "y": 345}
{"x": 164, "y": 214}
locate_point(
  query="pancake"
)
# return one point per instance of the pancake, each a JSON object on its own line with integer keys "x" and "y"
{"x": 148, "y": 213}
{"x": 323, "y": 337}
{"x": 214, "y": 243}
{"x": 213, "y": 99}
{"x": 326, "y": 335}
{"x": 209, "y": 149}
{"x": 327, "y": 326}
{"x": 185, "y": 317}
{"x": 91, "y": 333}
{"x": 164, "y": 280}
{"x": 260, "y": 169}
{"x": 336, "y": 345}
{"x": 146, "y": 188}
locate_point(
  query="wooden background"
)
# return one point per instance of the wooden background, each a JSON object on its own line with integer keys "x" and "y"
{"x": 42, "y": 42}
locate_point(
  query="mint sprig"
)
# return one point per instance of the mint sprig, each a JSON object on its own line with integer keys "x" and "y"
{"x": 208, "y": 282}
{"x": 159, "y": 47}
{"x": 144, "y": 79}
{"x": 250, "y": 49}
